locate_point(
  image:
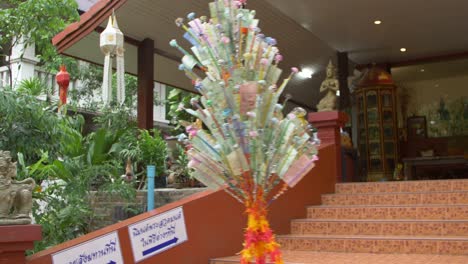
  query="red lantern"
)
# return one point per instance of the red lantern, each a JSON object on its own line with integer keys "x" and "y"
{"x": 63, "y": 80}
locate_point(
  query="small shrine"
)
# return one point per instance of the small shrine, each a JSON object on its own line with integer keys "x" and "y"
{"x": 377, "y": 124}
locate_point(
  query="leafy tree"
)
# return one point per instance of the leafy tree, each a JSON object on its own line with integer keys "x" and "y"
{"x": 35, "y": 21}
{"x": 175, "y": 99}
{"x": 51, "y": 148}
{"x": 30, "y": 126}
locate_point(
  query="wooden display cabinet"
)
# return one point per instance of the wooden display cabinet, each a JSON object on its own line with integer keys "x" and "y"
{"x": 377, "y": 126}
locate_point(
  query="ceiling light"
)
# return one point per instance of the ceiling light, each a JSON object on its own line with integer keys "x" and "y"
{"x": 306, "y": 73}
{"x": 403, "y": 49}
{"x": 377, "y": 22}
{"x": 422, "y": 70}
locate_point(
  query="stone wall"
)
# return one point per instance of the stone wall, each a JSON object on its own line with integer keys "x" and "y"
{"x": 110, "y": 210}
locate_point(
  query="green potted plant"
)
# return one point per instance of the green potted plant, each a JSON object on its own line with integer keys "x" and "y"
{"x": 178, "y": 171}
{"x": 153, "y": 153}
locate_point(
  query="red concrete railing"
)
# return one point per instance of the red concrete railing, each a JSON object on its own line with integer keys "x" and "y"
{"x": 215, "y": 221}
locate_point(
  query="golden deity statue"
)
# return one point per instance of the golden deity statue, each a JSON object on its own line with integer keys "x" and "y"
{"x": 331, "y": 86}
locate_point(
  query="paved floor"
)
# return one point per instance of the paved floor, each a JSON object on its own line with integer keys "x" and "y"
{"x": 305, "y": 257}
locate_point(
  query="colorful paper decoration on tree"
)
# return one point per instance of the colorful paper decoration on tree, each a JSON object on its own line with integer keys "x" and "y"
{"x": 63, "y": 80}
{"x": 247, "y": 147}
{"x": 112, "y": 45}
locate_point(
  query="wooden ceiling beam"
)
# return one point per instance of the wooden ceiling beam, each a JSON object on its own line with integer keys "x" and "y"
{"x": 431, "y": 59}
{"x": 418, "y": 61}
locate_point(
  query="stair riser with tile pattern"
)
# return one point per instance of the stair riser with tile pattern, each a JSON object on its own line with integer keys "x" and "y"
{"x": 415, "y": 217}
{"x": 407, "y": 186}
{"x": 393, "y": 228}
{"x": 360, "y": 245}
{"x": 449, "y": 212}
{"x": 222, "y": 261}
{"x": 453, "y": 197}
{"x": 314, "y": 257}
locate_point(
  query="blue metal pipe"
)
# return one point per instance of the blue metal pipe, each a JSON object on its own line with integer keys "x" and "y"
{"x": 151, "y": 173}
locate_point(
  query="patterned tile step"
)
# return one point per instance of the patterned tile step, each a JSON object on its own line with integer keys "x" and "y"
{"x": 403, "y": 186}
{"x": 380, "y": 227}
{"x": 451, "y": 197}
{"x": 375, "y": 244}
{"x": 428, "y": 212}
{"x": 309, "y": 257}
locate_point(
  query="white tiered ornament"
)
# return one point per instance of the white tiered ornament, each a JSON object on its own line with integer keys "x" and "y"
{"x": 112, "y": 45}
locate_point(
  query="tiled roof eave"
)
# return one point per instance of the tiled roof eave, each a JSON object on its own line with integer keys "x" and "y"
{"x": 89, "y": 21}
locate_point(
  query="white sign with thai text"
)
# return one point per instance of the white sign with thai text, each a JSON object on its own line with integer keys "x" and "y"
{"x": 101, "y": 250}
{"x": 158, "y": 233}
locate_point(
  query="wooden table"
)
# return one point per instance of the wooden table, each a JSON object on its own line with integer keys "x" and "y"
{"x": 411, "y": 164}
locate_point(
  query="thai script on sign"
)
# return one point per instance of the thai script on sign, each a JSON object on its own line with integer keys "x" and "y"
{"x": 154, "y": 238}
{"x": 156, "y": 225}
{"x": 157, "y": 233}
{"x": 100, "y": 250}
{"x": 87, "y": 257}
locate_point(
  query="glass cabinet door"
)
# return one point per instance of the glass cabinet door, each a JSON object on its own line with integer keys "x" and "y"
{"x": 387, "y": 99}
{"x": 377, "y": 139}
{"x": 371, "y": 98}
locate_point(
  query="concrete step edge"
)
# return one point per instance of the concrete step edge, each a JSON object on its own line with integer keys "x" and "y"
{"x": 382, "y": 220}
{"x": 395, "y": 193}
{"x": 392, "y": 182}
{"x": 376, "y": 237}
{"x": 380, "y": 206}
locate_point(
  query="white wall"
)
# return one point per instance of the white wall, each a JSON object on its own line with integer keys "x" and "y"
{"x": 429, "y": 91}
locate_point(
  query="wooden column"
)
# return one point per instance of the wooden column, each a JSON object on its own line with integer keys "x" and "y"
{"x": 343, "y": 65}
{"x": 145, "y": 83}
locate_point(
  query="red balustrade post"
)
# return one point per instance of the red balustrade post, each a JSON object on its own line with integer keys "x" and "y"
{"x": 15, "y": 240}
{"x": 328, "y": 124}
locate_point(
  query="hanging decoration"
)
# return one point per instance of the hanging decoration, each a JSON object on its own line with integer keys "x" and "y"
{"x": 112, "y": 45}
{"x": 246, "y": 146}
{"x": 63, "y": 80}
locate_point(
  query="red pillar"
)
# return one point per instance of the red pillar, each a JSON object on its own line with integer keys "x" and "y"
{"x": 145, "y": 84}
{"x": 328, "y": 125}
{"x": 15, "y": 240}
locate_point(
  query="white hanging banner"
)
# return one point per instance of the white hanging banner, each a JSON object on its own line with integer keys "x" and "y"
{"x": 158, "y": 233}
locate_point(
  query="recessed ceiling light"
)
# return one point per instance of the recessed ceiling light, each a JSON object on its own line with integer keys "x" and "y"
{"x": 377, "y": 22}
{"x": 403, "y": 49}
{"x": 306, "y": 73}
{"x": 421, "y": 70}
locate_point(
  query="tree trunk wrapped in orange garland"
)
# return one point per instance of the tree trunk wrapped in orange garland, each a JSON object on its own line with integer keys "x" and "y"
{"x": 246, "y": 146}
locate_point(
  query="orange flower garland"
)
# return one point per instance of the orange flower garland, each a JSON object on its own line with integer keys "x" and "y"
{"x": 259, "y": 239}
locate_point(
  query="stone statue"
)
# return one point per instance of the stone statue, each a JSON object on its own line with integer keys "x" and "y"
{"x": 15, "y": 196}
{"x": 331, "y": 86}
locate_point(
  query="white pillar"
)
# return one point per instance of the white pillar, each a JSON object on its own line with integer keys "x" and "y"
{"x": 22, "y": 61}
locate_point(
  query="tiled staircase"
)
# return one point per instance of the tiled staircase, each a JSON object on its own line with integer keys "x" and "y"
{"x": 413, "y": 217}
